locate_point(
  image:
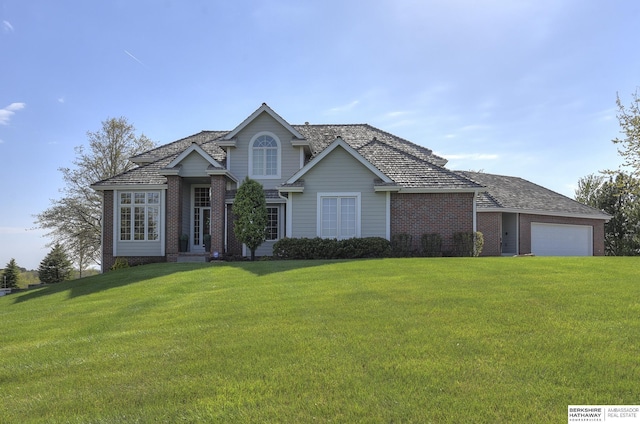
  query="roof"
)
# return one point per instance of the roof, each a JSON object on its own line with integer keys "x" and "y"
{"x": 409, "y": 165}
{"x": 514, "y": 194}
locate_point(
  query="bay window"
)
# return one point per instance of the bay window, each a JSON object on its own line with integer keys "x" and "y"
{"x": 139, "y": 216}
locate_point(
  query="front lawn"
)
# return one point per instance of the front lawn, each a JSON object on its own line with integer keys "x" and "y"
{"x": 444, "y": 340}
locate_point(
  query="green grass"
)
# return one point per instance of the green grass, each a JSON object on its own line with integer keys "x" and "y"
{"x": 444, "y": 340}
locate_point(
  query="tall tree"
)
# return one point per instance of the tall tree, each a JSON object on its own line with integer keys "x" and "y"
{"x": 629, "y": 119}
{"x": 56, "y": 266}
{"x": 75, "y": 219}
{"x": 619, "y": 196}
{"x": 11, "y": 274}
{"x": 250, "y": 210}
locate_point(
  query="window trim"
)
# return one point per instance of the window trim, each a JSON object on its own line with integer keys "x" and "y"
{"x": 339, "y": 195}
{"x": 278, "y": 156}
{"x": 278, "y": 221}
{"x": 131, "y": 207}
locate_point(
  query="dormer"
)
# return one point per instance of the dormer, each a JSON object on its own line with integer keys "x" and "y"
{"x": 296, "y": 140}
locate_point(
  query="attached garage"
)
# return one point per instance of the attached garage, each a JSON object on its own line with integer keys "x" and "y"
{"x": 561, "y": 239}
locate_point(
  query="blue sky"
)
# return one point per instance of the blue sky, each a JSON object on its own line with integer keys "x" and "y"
{"x": 524, "y": 88}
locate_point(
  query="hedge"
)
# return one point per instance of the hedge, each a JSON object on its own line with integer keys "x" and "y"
{"x": 322, "y": 248}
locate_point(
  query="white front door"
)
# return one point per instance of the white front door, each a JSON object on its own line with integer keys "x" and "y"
{"x": 201, "y": 227}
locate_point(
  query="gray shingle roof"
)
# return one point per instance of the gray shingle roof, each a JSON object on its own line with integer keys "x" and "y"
{"x": 515, "y": 193}
{"x": 408, "y": 164}
{"x": 178, "y": 146}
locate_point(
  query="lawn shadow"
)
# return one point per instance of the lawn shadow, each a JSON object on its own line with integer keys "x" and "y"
{"x": 123, "y": 277}
{"x": 101, "y": 282}
{"x": 266, "y": 267}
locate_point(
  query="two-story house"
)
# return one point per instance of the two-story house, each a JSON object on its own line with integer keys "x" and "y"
{"x": 337, "y": 181}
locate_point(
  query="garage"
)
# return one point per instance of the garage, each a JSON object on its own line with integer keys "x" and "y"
{"x": 561, "y": 239}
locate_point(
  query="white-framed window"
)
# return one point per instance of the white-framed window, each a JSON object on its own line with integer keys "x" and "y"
{"x": 339, "y": 215}
{"x": 264, "y": 156}
{"x": 273, "y": 223}
{"x": 139, "y": 215}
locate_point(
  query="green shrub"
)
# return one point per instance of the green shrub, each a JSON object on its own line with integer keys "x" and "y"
{"x": 401, "y": 245}
{"x": 321, "y": 248}
{"x": 467, "y": 243}
{"x": 479, "y": 244}
{"x": 431, "y": 244}
{"x": 120, "y": 263}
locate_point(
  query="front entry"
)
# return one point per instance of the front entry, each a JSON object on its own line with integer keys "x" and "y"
{"x": 509, "y": 235}
{"x": 200, "y": 219}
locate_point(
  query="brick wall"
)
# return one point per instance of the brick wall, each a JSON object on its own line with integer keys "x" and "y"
{"x": 525, "y": 230}
{"x": 218, "y": 192}
{"x": 421, "y": 213}
{"x": 490, "y": 225}
{"x": 173, "y": 217}
{"x": 107, "y": 230}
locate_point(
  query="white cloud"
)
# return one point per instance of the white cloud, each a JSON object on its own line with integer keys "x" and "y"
{"x": 7, "y": 112}
{"x": 470, "y": 156}
{"x": 60, "y": 99}
{"x": 1, "y": 141}
{"x": 6, "y": 26}
{"x": 344, "y": 108}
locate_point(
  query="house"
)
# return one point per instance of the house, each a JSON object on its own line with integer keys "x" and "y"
{"x": 337, "y": 181}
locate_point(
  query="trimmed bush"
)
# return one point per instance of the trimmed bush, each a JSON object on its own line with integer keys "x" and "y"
{"x": 431, "y": 245}
{"x": 120, "y": 263}
{"x": 401, "y": 245}
{"x": 321, "y": 248}
{"x": 479, "y": 244}
{"x": 468, "y": 244}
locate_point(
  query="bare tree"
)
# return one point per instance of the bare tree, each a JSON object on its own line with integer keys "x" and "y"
{"x": 75, "y": 220}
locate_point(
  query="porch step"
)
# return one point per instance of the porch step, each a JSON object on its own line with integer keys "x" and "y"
{"x": 198, "y": 257}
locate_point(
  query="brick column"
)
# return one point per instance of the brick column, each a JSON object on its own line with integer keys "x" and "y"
{"x": 173, "y": 217}
{"x": 107, "y": 230}
{"x": 218, "y": 192}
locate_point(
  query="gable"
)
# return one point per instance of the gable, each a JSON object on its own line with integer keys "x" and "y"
{"x": 339, "y": 169}
{"x": 194, "y": 165}
{"x": 339, "y": 144}
{"x": 264, "y": 109}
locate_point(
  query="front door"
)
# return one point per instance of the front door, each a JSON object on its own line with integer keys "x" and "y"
{"x": 201, "y": 227}
{"x": 200, "y": 219}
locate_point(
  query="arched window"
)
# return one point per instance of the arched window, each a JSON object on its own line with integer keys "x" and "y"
{"x": 264, "y": 157}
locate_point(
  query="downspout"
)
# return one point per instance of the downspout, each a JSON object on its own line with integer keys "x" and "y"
{"x": 288, "y": 206}
{"x": 226, "y": 228}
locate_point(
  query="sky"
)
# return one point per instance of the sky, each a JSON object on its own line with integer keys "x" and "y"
{"x": 524, "y": 88}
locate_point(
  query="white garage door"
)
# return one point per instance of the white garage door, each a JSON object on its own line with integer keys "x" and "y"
{"x": 561, "y": 239}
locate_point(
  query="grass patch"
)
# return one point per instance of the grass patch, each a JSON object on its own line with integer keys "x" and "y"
{"x": 393, "y": 340}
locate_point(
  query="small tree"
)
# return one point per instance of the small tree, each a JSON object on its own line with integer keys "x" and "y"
{"x": 629, "y": 119}
{"x": 619, "y": 196}
{"x": 11, "y": 274}
{"x": 250, "y": 210}
{"x": 56, "y": 266}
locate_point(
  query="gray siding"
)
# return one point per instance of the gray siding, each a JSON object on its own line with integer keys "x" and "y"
{"x": 339, "y": 172}
{"x": 289, "y": 158}
{"x": 194, "y": 165}
{"x": 139, "y": 248}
